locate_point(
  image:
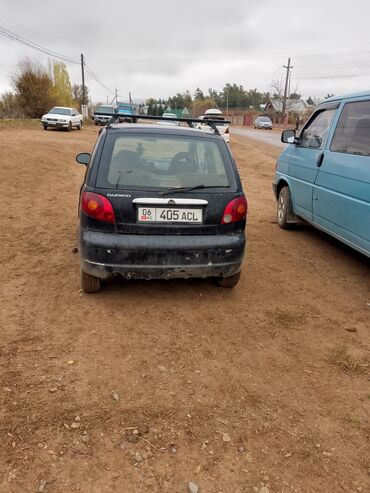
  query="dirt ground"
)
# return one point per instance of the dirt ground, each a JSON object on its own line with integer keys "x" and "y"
{"x": 149, "y": 385}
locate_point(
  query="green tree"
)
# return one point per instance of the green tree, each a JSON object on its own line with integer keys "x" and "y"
{"x": 62, "y": 87}
{"x": 33, "y": 87}
{"x": 198, "y": 95}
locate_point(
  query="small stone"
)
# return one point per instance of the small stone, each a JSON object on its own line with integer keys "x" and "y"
{"x": 115, "y": 396}
{"x": 70, "y": 362}
{"x": 326, "y": 454}
{"x": 75, "y": 249}
{"x": 289, "y": 454}
{"x": 264, "y": 489}
{"x": 42, "y": 485}
{"x": 132, "y": 437}
{"x": 161, "y": 368}
{"x": 138, "y": 457}
{"x": 351, "y": 329}
{"x": 52, "y": 390}
{"x": 75, "y": 425}
{"x": 193, "y": 487}
{"x": 173, "y": 450}
{"x": 226, "y": 437}
{"x": 241, "y": 450}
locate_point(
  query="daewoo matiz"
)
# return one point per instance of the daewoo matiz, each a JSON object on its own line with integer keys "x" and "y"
{"x": 160, "y": 201}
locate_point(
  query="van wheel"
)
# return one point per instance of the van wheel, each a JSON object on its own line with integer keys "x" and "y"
{"x": 79, "y": 126}
{"x": 284, "y": 208}
{"x": 90, "y": 284}
{"x": 229, "y": 282}
{"x": 69, "y": 128}
{"x": 45, "y": 127}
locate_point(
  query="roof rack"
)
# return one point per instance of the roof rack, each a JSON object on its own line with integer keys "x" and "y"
{"x": 121, "y": 116}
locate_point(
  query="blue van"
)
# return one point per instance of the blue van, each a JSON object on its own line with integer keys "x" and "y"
{"x": 323, "y": 176}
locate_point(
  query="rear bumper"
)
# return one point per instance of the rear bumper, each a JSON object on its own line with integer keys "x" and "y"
{"x": 160, "y": 257}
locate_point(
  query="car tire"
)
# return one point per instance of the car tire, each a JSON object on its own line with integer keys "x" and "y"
{"x": 229, "y": 282}
{"x": 45, "y": 127}
{"x": 79, "y": 126}
{"x": 284, "y": 208}
{"x": 90, "y": 284}
{"x": 69, "y": 128}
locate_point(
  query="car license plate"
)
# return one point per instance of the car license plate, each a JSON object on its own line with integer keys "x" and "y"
{"x": 169, "y": 215}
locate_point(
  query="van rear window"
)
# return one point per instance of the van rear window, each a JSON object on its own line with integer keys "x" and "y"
{"x": 161, "y": 161}
{"x": 352, "y": 134}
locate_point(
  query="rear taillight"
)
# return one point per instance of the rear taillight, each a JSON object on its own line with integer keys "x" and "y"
{"x": 227, "y": 130}
{"x": 235, "y": 211}
{"x": 98, "y": 207}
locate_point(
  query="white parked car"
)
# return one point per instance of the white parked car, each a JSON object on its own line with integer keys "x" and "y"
{"x": 222, "y": 126}
{"x": 62, "y": 117}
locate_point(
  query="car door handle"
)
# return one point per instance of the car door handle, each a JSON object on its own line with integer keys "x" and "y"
{"x": 320, "y": 159}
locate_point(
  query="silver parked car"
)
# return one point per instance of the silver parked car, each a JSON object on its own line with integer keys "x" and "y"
{"x": 263, "y": 122}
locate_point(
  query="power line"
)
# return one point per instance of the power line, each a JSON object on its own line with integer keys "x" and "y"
{"x": 19, "y": 39}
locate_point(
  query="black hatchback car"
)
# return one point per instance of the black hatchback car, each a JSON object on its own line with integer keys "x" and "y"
{"x": 160, "y": 202}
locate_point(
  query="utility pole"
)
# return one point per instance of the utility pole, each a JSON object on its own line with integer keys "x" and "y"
{"x": 288, "y": 69}
{"x": 83, "y": 79}
{"x": 116, "y": 95}
{"x": 227, "y": 103}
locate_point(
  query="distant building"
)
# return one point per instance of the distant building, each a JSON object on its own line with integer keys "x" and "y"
{"x": 180, "y": 113}
{"x": 294, "y": 108}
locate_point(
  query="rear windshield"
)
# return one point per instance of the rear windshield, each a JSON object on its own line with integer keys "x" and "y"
{"x": 162, "y": 161}
{"x": 264, "y": 119}
{"x": 104, "y": 109}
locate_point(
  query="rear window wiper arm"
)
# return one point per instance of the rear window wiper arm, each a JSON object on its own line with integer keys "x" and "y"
{"x": 187, "y": 189}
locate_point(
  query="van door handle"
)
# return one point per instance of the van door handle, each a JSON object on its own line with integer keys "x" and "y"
{"x": 320, "y": 159}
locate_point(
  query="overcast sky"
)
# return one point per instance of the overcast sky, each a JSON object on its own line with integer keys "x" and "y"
{"x": 155, "y": 48}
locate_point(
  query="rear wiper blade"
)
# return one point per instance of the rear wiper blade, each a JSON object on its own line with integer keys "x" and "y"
{"x": 187, "y": 189}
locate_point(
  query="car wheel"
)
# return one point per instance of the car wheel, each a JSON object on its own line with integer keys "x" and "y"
{"x": 284, "y": 208}
{"x": 45, "y": 127}
{"x": 90, "y": 284}
{"x": 69, "y": 128}
{"x": 79, "y": 126}
{"x": 229, "y": 282}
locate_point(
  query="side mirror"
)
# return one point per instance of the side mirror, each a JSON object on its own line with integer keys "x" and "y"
{"x": 288, "y": 136}
{"x": 83, "y": 158}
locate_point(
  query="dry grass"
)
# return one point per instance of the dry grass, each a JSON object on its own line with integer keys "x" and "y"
{"x": 16, "y": 123}
{"x": 341, "y": 358}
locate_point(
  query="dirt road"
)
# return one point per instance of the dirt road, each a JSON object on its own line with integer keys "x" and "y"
{"x": 149, "y": 385}
{"x": 266, "y": 136}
